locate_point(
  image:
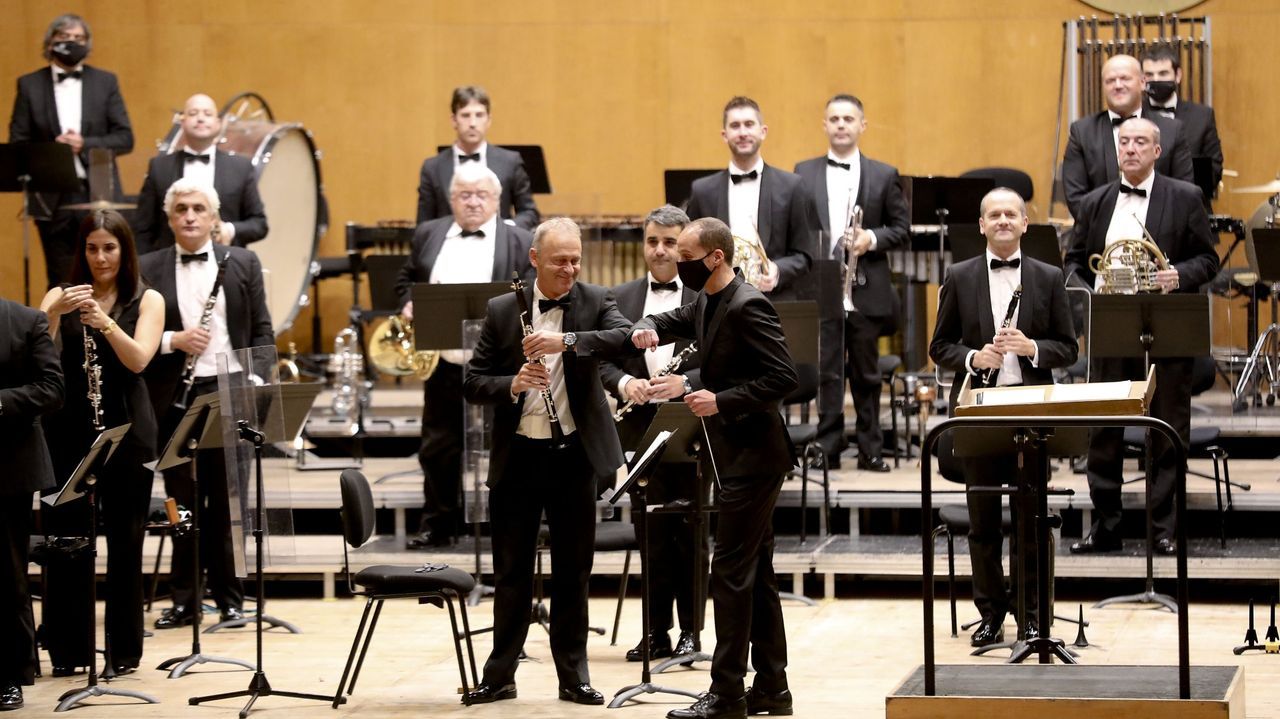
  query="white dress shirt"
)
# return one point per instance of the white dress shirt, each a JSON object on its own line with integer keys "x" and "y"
{"x": 744, "y": 202}
{"x": 655, "y": 303}
{"x": 842, "y": 194}
{"x": 534, "y": 423}
{"x": 1001, "y": 283}
{"x": 464, "y": 260}
{"x": 483, "y": 151}
{"x": 1130, "y": 215}
{"x": 68, "y": 98}
{"x": 193, "y": 282}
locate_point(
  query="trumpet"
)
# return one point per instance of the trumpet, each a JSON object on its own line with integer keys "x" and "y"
{"x": 669, "y": 368}
{"x": 849, "y": 263}
{"x": 93, "y": 376}
{"x": 526, "y": 328}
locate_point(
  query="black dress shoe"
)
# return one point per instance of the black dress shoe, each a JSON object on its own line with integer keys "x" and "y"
{"x": 230, "y": 614}
{"x": 428, "y": 540}
{"x": 711, "y": 706}
{"x": 60, "y": 670}
{"x": 1096, "y": 542}
{"x": 989, "y": 632}
{"x": 1030, "y": 631}
{"x": 1166, "y": 546}
{"x": 659, "y": 648}
{"x": 581, "y": 694}
{"x": 10, "y": 697}
{"x": 488, "y": 693}
{"x": 876, "y": 464}
{"x": 685, "y": 644}
{"x": 771, "y": 703}
{"x": 123, "y": 669}
{"x": 175, "y": 617}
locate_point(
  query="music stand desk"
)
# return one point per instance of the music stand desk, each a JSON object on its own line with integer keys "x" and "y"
{"x": 449, "y": 306}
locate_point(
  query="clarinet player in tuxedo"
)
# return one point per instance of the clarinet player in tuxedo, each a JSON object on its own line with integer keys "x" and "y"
{"x": 106, "y": 312}
{"x": 185, "y": 275}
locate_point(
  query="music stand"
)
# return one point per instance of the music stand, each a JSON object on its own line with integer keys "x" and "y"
{"x": 934, "y": 200}
{"x": 677, "y": 185}
{"x": 1039, "y": 242}
{"x": 82, "y": 483}
{"x": 535, "y": 165}
{"x": 1149, "y": 326}
{"x": 29, "y": 167}
{"x": 192, "y": 433}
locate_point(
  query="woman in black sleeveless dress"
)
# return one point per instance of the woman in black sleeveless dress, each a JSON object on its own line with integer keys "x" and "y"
{"x": 124, "y": 319}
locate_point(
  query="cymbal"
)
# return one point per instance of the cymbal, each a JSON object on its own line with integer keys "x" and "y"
{"x": 1271, "y": 188}
{"x": 101, "y": 205}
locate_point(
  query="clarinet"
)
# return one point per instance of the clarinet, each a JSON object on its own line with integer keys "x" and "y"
{"x": 987, "y": 378}
{"x": 526, "y": 327}
{"x": 182, "y": 398}
{"x": 670, "y": 367}
{"x": 93, "y": 378}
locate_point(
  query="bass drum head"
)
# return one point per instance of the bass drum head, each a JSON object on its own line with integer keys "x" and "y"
{"x": 289, "y": 183}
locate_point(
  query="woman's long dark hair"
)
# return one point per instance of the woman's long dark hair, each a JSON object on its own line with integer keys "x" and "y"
{"x": 128, "y": 280}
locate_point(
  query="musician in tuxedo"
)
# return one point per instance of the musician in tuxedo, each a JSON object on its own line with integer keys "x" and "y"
{"x": 244, "y": 219}
{"x": 469, "y": 114}
{"x": 469, "y": 245}
{"x": 746, "y": 371}
{"x": 78, "y": 105}
{"x": 1172, "y": 212}
{"x": 839, "y": 181}
{"x": 31, "y": 385}
{"x": 761, "y": 201}
{"x": 528, "y": 473}
{"x": 184, "y": 275}
{"x": 970, "y": 340}
{"x": 667, "y": 543}
{"x": 1092, "y": 142}
{"x": 1162, "y": 70}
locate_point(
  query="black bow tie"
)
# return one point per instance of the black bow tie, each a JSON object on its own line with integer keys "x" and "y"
{"x": 841, "y": 165}
{"x": 1117, "y": 120}
{"x": 473, "y": 157}
{"x": 194, "y": 257}
{"x": 1011, "y": 264}
{"x": 660, "y": 286}
{"x": 743, "y": 177}
{"x": 545, "y": 306}
{"x": 472, "y": 233}
{"x": 76, "y": 74}
{"x": 193, "y": 157}
{"x": 1126, "y": 190}
{"x": 1167, "y": 110}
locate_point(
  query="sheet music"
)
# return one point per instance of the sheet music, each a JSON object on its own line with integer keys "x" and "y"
{"x": 1091, "y": 391}
{"x": 1020, "y": 395}
{"x": 658, "y": 442}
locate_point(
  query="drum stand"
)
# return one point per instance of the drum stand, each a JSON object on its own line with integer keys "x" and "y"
{"x": 1264, "y": 361}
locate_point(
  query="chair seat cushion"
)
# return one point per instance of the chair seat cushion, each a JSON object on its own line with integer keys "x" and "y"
{"x": 956, "y": 517}
{"x": 1134, "y": 437}
{"x": 615, "y": 537}
{"x": 393, "y": 579}
{"x": 802, "y": 434}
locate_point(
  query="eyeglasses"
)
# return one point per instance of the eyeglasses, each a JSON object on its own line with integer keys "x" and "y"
{"x": 481, "y": 195}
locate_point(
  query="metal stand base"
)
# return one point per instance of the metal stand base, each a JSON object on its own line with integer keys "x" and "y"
{"x": 259, "y": 687}
{"x": 682, "y": 660}
{"x": 246, "y": 621}
{"x": 793, "y": 597}
{"x": 626, "y": 694}
{"x": 1150, "y": 596}
{"x": 75, "y": 696}
{"x": 182, "y": 664}
{"x": 1020, "y": 650}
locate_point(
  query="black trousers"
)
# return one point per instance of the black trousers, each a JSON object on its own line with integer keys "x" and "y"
{"x": 58, "y": 236}
{"x": 440, "y": 455}
{"x": 744, "y": 589}
{"x": 561, "y": 483}
{"x": 125, "y": 496}
{"x": 17, "y": 624}
{"x": 986, "y": 539}
{"x": 1171, "y": 402}
{"x": 667, "y": 548}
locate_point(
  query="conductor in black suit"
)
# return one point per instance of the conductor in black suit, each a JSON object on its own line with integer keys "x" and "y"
{"x": 527, "y": 474}
{"x": 761, "y": 201}
{"x": 78, "y": 105}
{"x": 244, "y": 220}
{"x": 184, "y": 275}
{"x": 1172, "y": 211}
{"x": 969, "y": 339}
{"x": 1092, "y": 142}
{"x": 1162, "y": 71}
{"x": 668, "y": 549}
{"x": 746, "y": 370}
{"x": 470, "y": 245}
{"x": 470, "y": 116}
{"x": 30, "y": 386}
{"x": 839, "y": 181}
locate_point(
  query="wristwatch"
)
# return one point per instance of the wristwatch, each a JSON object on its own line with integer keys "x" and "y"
{"x": 688, "y": 388}
{"x": 570, "y": 339}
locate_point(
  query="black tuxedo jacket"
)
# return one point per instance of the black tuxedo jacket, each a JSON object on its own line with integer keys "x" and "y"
{"x": 743, "y": 358}
{"x": 1044, "y": 315}
{"x": 1175, "y": 218}
{"x": 237, "y": 186}
{"x": 786, "y": 219}
{"x": 517, "y": 197}
{"x": 248, "y": 320}
{"x": 1200, "y": 128}
{"x": 498, "y": 357}
{"x": 884, "y": 212}
{"x": 510, "y": 253}
{"x": 1091, "y": 162}
{"x": 30, "y": 386}
{"x": 104, "y": 122}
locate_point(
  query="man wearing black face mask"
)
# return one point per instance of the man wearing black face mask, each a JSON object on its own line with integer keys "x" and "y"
{"x": 78, "y": 105}
{"x": 1163, "y": 72}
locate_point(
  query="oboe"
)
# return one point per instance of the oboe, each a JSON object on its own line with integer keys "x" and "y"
{"x": 526, "y": 328}
{"x": 670, "y": 367}
{"x": 93, "y": 377}
{"x": 988, "y": 376}
{"x": 182, "y": 398}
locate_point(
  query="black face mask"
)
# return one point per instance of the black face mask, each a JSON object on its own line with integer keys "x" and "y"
{"x": 694, "y": 273}
{"x": 1161, "y": 90}
{"x": 69, "y": 53}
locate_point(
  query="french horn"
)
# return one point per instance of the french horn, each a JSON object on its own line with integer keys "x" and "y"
{"x": 391, "y": 350}
{"x": 1128, "y": 267}
{"x": 749, "y": 256}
